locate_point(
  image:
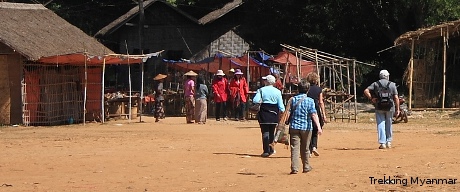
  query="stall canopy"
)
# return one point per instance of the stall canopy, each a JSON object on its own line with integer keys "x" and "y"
{"x": 291, "y": 63}
{"x": 212, "y": 64}
{"x": 80, "y": 58}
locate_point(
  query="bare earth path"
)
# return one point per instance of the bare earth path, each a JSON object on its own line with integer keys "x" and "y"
{"x": 224, "y": 156}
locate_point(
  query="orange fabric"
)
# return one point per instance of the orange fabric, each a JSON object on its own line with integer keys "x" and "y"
{"x": 79, "y": 59}
{"x": 93, "y": 93}
{"x": 290, "y": 62}
{"x": 279, "y": 84}
{"x": 241, "y": 88}
{"x": 32, "y": 86}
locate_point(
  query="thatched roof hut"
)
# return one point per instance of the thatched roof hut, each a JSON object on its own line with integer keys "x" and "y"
{"x": 36, "y": 32}
{"x": 432, "y": 74}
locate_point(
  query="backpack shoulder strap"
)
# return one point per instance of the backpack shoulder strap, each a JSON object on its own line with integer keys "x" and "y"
{"x": 380, "y": 84}
{"x": 388, "y": 84}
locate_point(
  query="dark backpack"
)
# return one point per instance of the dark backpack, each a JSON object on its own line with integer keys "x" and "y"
{"x": 384, "y": 97}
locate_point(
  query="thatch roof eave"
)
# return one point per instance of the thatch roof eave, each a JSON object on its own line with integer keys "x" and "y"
{"x": 428, "y": 33}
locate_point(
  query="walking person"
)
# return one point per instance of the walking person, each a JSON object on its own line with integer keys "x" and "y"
{"x": 384, "y": 95}
{"x": 159, "y": 112}
{"x": 270, "y": 112}
{"x": 189, "y": 92}
{"x": 201, "y": 104}
{"x": 316, "y": 93}
{"x": 302, "y": 113}
{"x": 238, "y": 94}
{"x": 220, "y": 89}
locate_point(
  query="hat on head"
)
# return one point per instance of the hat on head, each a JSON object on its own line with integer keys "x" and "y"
{"x": 159, "y": 77}
{"x": 190, "y": 73}
{"x": 270, "y": 78}
{"x": 238, "y": 72}
{"x": 384, "y": 74}
{"x": 232, "y": 70}
{"x": 220, "y": 72}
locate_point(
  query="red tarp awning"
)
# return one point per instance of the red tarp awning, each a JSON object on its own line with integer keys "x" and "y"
{"x": 79, "y": 59}
{"x": 290, "y": 61}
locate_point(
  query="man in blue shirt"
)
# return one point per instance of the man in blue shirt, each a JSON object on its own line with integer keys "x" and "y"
{"x": 303, "y": 112}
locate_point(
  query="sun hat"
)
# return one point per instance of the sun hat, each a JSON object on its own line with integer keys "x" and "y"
{"x": 160, "y": 76}
{"x": 238, "y": 72}
{"x": 190, "y": 73}
{"x": 220, "y": 72}
{"x": 232, "y": 70}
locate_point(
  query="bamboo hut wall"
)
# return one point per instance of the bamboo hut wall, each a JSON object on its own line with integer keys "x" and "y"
{"x": 53, "y": 95}
{"x": 5, "y": 102}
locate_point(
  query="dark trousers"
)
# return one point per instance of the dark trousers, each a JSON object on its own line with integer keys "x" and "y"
{"x": 221, "y": 109}
{"x": 239, "y": 111}
{"x": 314, "y": 138}
{"x": 268, "y": 135}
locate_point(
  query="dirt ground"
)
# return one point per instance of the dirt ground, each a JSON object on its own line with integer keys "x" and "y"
{"x": 224, "y": 156}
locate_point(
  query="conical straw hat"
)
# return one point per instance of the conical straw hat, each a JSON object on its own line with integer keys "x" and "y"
{"x": 159, "y": 77}
{"x": 190, "y": 73}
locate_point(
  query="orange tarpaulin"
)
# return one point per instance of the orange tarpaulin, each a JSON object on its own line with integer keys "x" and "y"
{"x": 79, "y": 59}
{"x": 290, "y": 61}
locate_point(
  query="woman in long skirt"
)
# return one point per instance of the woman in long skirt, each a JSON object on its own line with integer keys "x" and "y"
{"x": 201, "y": 104}
{"x": 189, "y": 96}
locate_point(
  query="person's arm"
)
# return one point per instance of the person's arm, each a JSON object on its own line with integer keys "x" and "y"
{"x": 322, "y": 107}
{"x": 367, "y": 93}
{"x": 215, "y": 88}
{"x": 258, "y": 97}
{"x": 280, "y": 103}
{"x": 315, "y": 119}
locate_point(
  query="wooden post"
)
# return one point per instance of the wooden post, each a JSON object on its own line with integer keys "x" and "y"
{"x": 102, "y": 92}
{"x": 444, "y": 61}
{"x": 317, "y": 67}
{"x": 297, "y": 66}
{"x": 141, "y": 48}
{"x": 247, "y": 71}
{"x": 86, "y": 90}
{"x": 411, "y": 73}
{"x": 354, "y": 90}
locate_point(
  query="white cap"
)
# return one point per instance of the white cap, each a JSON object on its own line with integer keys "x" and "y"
{"x": 270, "y": 79}
{"x": 384, "y": 74}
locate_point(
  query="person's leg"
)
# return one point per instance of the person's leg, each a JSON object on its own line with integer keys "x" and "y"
{"x": 271, "y": 137}
{"x": 197, "y": 111}
{"x": 156, "y": 113}
{"x": 224, "y": 110}
{"x": 381, "y": 121}
{"x": 162, "y": 110}
{"x": 314, "y": 141}
{"x": 295, "y": 150}
{"x": 187, "y": 108}
{"x": 265, "y": 130}
{"x": 218, "y": 109}
{"x": 389, "y": 128}
{"x": 305, "y": 139}
{"x": 204, "y": 110}
{"x": 242, "y": 107}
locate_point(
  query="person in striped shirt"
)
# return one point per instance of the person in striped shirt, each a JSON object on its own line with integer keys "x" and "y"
{"x": 302, "y": 112}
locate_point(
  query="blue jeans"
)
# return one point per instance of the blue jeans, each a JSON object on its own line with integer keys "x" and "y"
{"x": 384, "y": 125}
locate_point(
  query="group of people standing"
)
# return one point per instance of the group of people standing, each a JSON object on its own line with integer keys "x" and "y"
{"x": 229, "y": 94}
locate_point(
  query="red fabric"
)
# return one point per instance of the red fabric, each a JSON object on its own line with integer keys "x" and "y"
{"x": 290, "y": 62}
{"x": 279, "y": 85}
{"x": 219, "y": 88}
{"x": 32, "y": 80}
{"x": 242, "y": 88}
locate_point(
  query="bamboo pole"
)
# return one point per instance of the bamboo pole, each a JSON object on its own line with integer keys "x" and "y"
{"x": 102, "y": 92}
{"x": 86, "y": 90}
{"x": 317, "y": 67}
{"x": 247, "y": 71}
{"x": 129, "y": 81}
{"x": 297, "y": 66}
{"x": 444, "y": 61}
{"x": 354, "y": 90}
{"x": 411, "y": 74}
